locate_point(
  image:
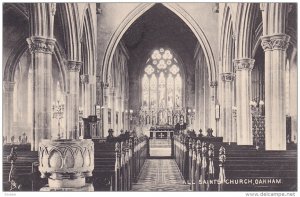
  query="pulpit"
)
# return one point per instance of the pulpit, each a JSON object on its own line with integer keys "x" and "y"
{"x": 91, "y": 128}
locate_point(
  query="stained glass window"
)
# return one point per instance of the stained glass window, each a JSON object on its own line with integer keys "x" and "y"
{"x": 170, "y": 90}
{"x": 162, "y": 89}
{"x": 149, "y": 69}
{"x": 178, "y": 86}
{"x": 162, "y": 81}
{"x": 174, "y": 69}
{"x": 153, "y": 91}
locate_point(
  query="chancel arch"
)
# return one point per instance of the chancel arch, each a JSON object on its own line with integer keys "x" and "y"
{"x": 140, "y": 10}
{"x": 203, "y": 44}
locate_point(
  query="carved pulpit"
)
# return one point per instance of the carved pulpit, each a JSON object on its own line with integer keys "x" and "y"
{"x": 91, "y": 127}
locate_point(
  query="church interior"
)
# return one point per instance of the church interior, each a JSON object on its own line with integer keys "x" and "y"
{"x": 149, "y": 97}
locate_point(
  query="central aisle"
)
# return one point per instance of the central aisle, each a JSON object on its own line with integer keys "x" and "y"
{"x": 160, "y": 175}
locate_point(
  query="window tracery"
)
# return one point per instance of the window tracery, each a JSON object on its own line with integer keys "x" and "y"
{"x": 161, "y": 83}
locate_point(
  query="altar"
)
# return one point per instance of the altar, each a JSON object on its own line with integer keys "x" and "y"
{"x": 160, "y": 141}
{"x": 161, "y": 132}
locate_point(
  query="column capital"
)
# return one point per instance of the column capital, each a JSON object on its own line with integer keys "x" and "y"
{"x": 213, "y": 84}
{"x": 275, "y": 41}
{"x": 39, "y": 44}
{"x": 74, "y": 66}
{"x": 8, "y": 86}
{"x": 84, "y": 79}
{"x": 243, "y": 64}
{"x": 52, "y": 8}
{"x": 228, "y": 77}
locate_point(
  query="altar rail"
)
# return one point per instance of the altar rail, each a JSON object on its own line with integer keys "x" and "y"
{"x": 118, "y": 164}
{"x": 199, "y": 161}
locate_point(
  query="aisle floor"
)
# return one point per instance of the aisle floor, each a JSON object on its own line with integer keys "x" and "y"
{"x": 160, "y": 175}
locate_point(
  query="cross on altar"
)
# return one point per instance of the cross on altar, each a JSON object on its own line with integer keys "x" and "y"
{"x": 160, "y": 135}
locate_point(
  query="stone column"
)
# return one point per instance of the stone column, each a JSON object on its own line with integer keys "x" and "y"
{"x": 213, "y": 91}
{"x": 105, "y": 110}
{"x": 8, "y": 108}
{"x": 126, "y": 112}
{"x": 293, "y": 95}
{"x": 73, "y": 100}
{"x": 234, "y": 125}
{"x": 85, "y": 80}
{"x": 92, "y": 93}
{"x": 275, "y": 119}
{"x": 119, "y": 103}
{"x": 207, "y": 102}
{"x": 87, "y": 95}
{"x": 202, "y": 100}
{"x": 112, "y": 104}
{"x": 243, "y": 69}
{"x": 82, "y": 87}
{"x": 41, "y": 49}
{"x": 227, "y": 108}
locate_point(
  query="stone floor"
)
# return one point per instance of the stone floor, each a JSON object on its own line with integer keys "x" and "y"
{"x": 160, "y": 175}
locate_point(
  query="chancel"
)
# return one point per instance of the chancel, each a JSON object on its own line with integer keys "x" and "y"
{"x": 149, "y": 96}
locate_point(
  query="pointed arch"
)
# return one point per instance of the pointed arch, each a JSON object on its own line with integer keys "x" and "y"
{"x": 70, "y": 21}
{"x": 246, "y": 15}
{"x": 256, "y": 40}
{"x": 272, "y": 23}
{"x": 136, "y": 13}
{"x": 88, "y": 38}
{"x": 20, "y": 48}
{"x": 227, "y": 45}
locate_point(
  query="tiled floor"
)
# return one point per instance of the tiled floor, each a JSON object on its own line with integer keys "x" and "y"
{"x": 160, "y": 175}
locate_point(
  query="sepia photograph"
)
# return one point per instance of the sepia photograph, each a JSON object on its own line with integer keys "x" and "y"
{"x": 149, "y": 97}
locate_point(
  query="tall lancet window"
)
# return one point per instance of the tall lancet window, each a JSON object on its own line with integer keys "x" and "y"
{"x": 161, "y": 82}
{"x": 153, "y": 91}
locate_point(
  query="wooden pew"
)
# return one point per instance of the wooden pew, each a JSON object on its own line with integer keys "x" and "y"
{"x": 118, "y": 163}
{"x": 24, "y": 162}
{"x": 197, "y": 159}
{"x": 106, "y": 172}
